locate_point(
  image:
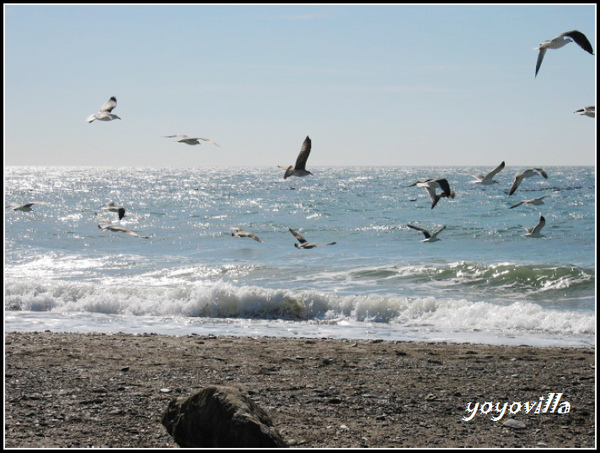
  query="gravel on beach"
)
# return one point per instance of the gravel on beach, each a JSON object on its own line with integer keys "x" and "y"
{"x": 67, "y": 390}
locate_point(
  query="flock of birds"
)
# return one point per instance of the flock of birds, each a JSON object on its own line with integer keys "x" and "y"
{"x": 431, "y": 185}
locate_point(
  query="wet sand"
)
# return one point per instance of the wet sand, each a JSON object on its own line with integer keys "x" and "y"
{"x": 110, "y": 390}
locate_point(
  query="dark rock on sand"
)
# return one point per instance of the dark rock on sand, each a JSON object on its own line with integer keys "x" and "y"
{"x": 220, "y": 417}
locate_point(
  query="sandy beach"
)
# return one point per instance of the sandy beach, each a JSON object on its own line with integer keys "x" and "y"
{"x": 110, "y": 390}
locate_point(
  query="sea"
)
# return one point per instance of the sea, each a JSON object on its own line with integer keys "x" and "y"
{"x": 482, "y": 282}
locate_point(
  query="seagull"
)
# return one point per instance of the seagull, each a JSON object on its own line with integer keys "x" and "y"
{"x": 26, "y": 207}
{"x": 109, "y": 226}
{"x": 431, "y": 184}
{"x": 120, "y": 210}
{"x": 300, "y": 168}
{"x": 182, "y": 138}
{"x": 535, "y": 231}
{"x": 487, "y": 180}
{"x": 534, "y": 201}
{"x": 105, "y": 112}
{"x": 519, "y": 177}
{"x": 587, "y": 111}
{"x": 560, "y": 41}
{"x": 240, "y": 233}
{"x": 303, "y": 242}
{"x": 429, "y": 237}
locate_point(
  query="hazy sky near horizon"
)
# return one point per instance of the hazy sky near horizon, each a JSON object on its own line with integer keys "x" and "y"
{"x": 370, "y": 84}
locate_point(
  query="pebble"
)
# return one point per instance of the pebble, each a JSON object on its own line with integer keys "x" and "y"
{"x": 514, "y": 424}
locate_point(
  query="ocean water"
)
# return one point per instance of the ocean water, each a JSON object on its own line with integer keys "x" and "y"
{"x": 483, "y": 282}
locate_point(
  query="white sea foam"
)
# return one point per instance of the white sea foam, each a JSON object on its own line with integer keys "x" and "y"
{"x": 223, "y": 300}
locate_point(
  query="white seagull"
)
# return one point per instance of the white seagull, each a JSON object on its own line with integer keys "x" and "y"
{"x": 304, "y": 244}
{"x": 587, "y": 111}
{"x": 240, "y": 233}
{"x": 560, "y": 41}
{"x": 519, "y": 177}
{"x": 429, "y": 237}
{"x": 109, "y": 226}
{"x": 182, "y": 138}
{"x": 535, "y": 231}
{"x": 431, "y": 184}
{"x": 300, "y": 168}
{"x": 488, "y": 179}
{"x": 534, "y": 201}
{"x": 26, "y": 207}
{"x": 105, "y": 112}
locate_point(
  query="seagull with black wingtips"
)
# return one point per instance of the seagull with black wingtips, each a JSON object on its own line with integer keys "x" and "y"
{"x": 535, "y": 231}
{"x": 590, "y": 111}
{"x": 519, "y": 177}
{"x": 488, "y": 179}
{"x": 562, "y": 40}
{"x": 429, "y": 237}
{"x": 431, "y": 184}
{"x": 105, "y": 112}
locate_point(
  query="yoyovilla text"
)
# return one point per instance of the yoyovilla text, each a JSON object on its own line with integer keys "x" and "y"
{"x": 550, "y": 404}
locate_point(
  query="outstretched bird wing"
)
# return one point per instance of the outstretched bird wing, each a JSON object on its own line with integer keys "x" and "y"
{"x": 303, "y": 155}
{"x": 581, "y": 40}
{"x": 422, "y": 230}
{"x": 299, "y": 237}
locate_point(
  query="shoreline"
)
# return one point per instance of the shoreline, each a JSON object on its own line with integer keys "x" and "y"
{"x": 67, "y": 390}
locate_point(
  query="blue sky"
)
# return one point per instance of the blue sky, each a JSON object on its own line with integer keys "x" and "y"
{"x": 370, "y": 84}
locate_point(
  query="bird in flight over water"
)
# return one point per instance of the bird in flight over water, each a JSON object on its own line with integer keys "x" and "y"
{"x": 519, "y": 177}
{"x": 26, "y": 207}
{"x": 431, "y": 184}
{"x": 240, "y": 233}
{"x": 535, "y": 231}
{"x": 182, "y": 138}
{"x": 304, "y": 244}
{"x": 300, "y": 168}
{"x": 488, "y": 179}
{"x": 429, "y": 237}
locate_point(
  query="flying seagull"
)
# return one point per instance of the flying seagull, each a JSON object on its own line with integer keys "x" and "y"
{"x": 560, "y": 41}
{"x": 431, "y": 184}
{"x": 429, "y": 237}
{"x": 105, "y": 112}
{"x": 300, "y": 168}
{"x": 26, "y": 207}
{"x": 488, "y": 179}
{"x": 587, "y": 111}
{"x": 534, "y": 201}
{"x": 519, "y": 177}
{"x": 535, "y": 231}
{"x": 109, "y": 226}
{"x": 182, "y": 138}
{"x": 304, "y": 244}
{"x": 240, "y": 233}
{"x": 120, "y": 210}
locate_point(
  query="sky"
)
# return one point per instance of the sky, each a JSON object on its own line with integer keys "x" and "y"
{"x": 372, "y": 85}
